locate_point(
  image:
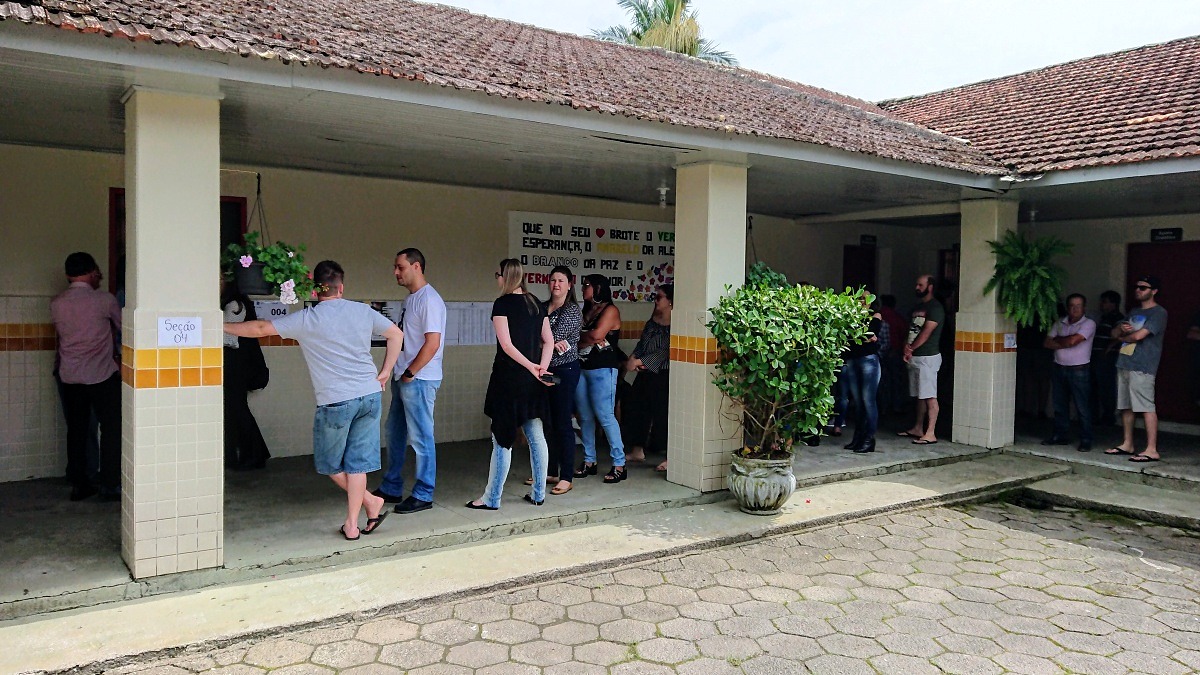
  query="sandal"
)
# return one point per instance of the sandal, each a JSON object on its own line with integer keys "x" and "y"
{"x": 616, "y": 475}
{"x": 585, "y": 470}
{"x": 373, "y": 523}
{"x": 558, "y": 490}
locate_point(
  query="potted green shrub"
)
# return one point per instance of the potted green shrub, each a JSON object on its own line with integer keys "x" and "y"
{"x": 274, "y": 269}
{"x": 1028, "y": 284}
{"x": 780, "y": 347}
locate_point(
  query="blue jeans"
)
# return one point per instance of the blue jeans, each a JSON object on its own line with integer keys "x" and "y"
{"x": 502, "y": 458}
{"x": 860, "y": 378}
{"x": 595, "y": 399}
{"x": 411, "y": 411}
{"x": 1072, "y": 383}
{"x": 346, "y": 435}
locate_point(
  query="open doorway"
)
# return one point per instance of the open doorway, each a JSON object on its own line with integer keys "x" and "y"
{"x": 1175, "y": 264}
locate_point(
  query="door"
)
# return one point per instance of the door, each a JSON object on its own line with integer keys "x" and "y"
{"x": 858, "y": 267}
{"x": 1175, "y": 263}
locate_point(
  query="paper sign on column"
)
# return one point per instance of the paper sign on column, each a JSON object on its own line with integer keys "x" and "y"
{"x": 179, "y": 331}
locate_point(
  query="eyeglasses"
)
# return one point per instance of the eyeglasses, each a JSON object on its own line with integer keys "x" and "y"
{"x": 498, "y": 275}
{"x": 1143, "y": 288}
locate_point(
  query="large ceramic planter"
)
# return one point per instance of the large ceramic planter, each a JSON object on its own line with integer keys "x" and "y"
{"x": 250, "y": 280}
{"x": 761, "y": 486}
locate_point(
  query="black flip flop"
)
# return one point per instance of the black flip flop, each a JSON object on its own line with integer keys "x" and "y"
{"x": 1143, "y": 459}
{"x": 922, "y": 441}
{"x": 482, "y": 507}
{"x": 373, "y": 523}
{"x": 342, "y": 529}
{"x": 905, "y": 434}
{"x": 1118, "y": 451}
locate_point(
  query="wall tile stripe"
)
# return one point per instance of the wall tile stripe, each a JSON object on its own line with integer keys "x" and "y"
{"x": 982, "y": 343}
{"x": 689, "y": 349}
{"x": 27, "y": 337}
{"x": 171, "y": 367}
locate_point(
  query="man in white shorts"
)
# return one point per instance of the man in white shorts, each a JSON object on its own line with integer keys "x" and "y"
{"x": 924, "y": 361}
{"x": 1141, "y": 335}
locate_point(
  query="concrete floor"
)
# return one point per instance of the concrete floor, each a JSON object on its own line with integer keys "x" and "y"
{"x": 283, "y": 519}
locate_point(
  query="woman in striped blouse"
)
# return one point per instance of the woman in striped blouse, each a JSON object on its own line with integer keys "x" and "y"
{"x": 645, "y": 413}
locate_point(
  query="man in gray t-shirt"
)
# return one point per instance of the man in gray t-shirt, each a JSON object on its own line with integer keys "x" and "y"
{"x": 1141, "y": 337}
{"x": 335, "y": 338}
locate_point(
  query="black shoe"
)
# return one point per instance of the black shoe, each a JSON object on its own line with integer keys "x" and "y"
{"x": 1084, "y": 446}
{"x": 82, "y": 492}
{"x": 529, "y": 498}
{"x": 854, "y": 444}
{"x": 481, "y": 507}
{"x": 585, "y": 470}
{"x": 1055, "y": 440}
{"x": 867, "y": 446}
{"x": 616, "y": 475}
{"x": 386, "y": 496}
{"x": 412, "y": 505}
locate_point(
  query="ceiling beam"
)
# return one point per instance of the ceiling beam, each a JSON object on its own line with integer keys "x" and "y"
{"x": 916, "y": 211}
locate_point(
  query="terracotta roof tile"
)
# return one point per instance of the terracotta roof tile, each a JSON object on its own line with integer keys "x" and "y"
{"x": 449, "y": 47}
{"x": 1132, "y": 106}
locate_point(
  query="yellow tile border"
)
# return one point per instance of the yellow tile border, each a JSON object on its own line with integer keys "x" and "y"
{"x": 27, "y": 337}
{"x": 172, "y": 367}
{"x": 980, "y": 343}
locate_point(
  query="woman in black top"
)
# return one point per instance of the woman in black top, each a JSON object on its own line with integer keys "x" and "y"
{"x": 596, "y": 393}
{"x": 245, "y": 447}
{"x": 644, "y": 414}
{"x": 861, "y": 378}
{"x": 565, "y": 322}
{"x": 516, "y": 393}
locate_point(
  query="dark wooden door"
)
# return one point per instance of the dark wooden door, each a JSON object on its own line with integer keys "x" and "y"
{"x": 858, "y": 267}
{"x": 1177, "y": 264}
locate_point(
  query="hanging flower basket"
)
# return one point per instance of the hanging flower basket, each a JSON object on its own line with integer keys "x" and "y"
{"x": 250, "y": 279}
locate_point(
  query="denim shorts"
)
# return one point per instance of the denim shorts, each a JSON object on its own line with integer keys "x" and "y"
{"x": 346, "y": 435}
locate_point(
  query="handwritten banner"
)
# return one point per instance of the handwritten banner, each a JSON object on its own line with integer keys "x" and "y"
{"x": 635, "y": 255}
{"x": 179, "y": 331}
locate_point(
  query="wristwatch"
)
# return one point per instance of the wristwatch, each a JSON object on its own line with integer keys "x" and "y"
{"x": 407, "y": 373}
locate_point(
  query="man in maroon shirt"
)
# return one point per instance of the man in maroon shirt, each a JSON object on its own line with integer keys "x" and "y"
{"x": 86, "y": 320}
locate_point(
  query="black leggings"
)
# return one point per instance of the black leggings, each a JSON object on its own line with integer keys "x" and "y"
{"x": 561, "y": 436}
{"x": 644, "y": 412}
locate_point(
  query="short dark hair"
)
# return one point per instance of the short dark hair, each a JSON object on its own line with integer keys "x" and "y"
{"x": 667, "y": 290}
{"x": 328, "y": 274}
{"x": 79, "y": 264}
{"x": 1111, "y": 296}
{"x": 414, "y": 257}
{"x": 1081, "y": 296}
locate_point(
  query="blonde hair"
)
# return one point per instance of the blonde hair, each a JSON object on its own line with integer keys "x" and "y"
{"x": 513, "y": 276}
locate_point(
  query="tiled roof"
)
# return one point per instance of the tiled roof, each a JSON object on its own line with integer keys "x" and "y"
{"x": 449, "y": 47}
{"x": 1131, "y": 106}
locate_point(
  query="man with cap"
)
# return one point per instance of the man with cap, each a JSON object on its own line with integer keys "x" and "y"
{"x": 1141, "y": 335}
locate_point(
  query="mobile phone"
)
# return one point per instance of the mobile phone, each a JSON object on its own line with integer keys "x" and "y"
{"x": 550, "y": 378}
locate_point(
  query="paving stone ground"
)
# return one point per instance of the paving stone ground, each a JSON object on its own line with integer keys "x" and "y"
{"x": 993, "y": 588}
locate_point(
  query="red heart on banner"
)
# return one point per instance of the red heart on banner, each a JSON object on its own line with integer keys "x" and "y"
{"x": 600, "y": 232}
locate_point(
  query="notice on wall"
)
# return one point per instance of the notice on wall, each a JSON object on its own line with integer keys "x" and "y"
{"x": 179, "y": 331}
{"x": 467, "y": 323}
{"x": 635, "y": 255}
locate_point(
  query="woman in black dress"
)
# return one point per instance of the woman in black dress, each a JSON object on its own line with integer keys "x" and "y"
{"x": 244, "y": 444}
{"x": 644, "y": 413}
{"x": 516, "y": 393}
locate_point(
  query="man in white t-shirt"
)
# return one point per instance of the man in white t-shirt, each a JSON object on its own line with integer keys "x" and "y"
{"x": 335, "y": 338}
{"x": 415, "y": 382}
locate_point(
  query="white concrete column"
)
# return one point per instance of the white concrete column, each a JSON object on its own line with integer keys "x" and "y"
{"x": 985, "y": 369}
{"x": 172, "y": 448}
{"x": 710, "y": 253}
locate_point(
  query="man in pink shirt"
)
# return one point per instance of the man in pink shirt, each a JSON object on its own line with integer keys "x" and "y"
{"x": 1071, "y": 339}
{"x": 86, "y": 320}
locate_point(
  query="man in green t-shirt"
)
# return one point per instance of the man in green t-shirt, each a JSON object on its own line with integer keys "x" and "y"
{"x": 924, "y": 361}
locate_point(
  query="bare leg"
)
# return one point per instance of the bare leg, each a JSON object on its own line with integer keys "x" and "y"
{"x": 918, "y": 427}
{"x": 1151, "y": 434}
{"x": 1127, "y": 424}
{"x": 932, "y": 408}
{"x": 355, "y": 485}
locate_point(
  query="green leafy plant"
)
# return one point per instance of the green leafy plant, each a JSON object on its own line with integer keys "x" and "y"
{"x": 1028, "y": 284}
{"x": 780, "y": 347}
{"x": 283, "y": 266}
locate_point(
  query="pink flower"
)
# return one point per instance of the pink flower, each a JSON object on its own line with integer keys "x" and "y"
{"x": 246, "y": 260}
{"x": 291, "y": 254}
